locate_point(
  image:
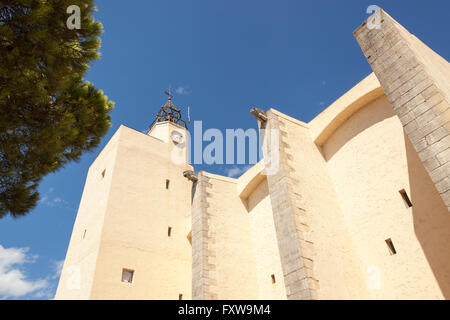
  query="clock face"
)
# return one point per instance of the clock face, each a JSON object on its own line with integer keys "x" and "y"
{"x": 177, "y": 137}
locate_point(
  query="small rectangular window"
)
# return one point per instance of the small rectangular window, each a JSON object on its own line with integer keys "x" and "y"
{"x": 391, "y": 247}
{"x": 167, "y": 183}
{"x": 169, "y": 231}
{"x": 273, "y": 278}
{"x": 180, "y": 297}
{"x": 127, "y": 275}
{"x": 406, "y": 198}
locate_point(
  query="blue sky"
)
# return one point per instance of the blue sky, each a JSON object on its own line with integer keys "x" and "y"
{"x": 224, "y": 57}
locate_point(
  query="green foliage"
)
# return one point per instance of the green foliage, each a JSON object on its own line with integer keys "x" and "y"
{"x": 48, "y": 114}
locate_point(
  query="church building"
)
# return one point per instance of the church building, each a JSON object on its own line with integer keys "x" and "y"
{"x": 358, "y": 208}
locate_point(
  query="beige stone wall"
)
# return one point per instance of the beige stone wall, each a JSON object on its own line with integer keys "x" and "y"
{"x": 229, "y": 229}
{"x": 322, "y": 237}
{"x": 417, "y": 83}
{"x": 370, "y": 160}
{"x": 349, "y": 189}
{"x": 235, "y": 250}
{"x": 78, "y": 271}
{"x": 134, "y": 234}
{"x": 204, "y": 270}
{"x": 265, "y": 245}
{"x": 325, "y": 123}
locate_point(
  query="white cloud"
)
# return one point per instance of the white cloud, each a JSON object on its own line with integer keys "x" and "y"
{"x": 57, "y": 202}
{"x": 57, "y": 267}
{"x": 236, "y": 171}
{"x": 44, "y": 198}
{"x": 13, "y": 281}
{"x": 182, "y": 90}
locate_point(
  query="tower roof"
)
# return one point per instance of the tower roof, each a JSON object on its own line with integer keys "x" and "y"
{"x": 169, "y": 112}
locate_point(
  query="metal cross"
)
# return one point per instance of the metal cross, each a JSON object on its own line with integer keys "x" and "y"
{"x": 169, "y": 93}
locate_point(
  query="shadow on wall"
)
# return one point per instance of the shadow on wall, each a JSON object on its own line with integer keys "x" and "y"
{"x": 355, "y": 128}
{"x": 431, "y": 219}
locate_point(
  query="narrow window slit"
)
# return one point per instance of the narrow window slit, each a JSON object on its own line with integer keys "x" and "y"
{"x": 273, "y": 278}
{"x": 167, "y": 183}
{"x": 180, "y": 296}
{"x": 406, "y": 198}
{"x": 103, "y": 173}
{"x": 391, "y": 247}
{"x": 169, "y": 231}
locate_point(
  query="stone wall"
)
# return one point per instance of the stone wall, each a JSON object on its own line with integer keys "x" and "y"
{"x": 291, "y": 221}
{"x": 203, "y": 253}
{"x": 417, "y": 83}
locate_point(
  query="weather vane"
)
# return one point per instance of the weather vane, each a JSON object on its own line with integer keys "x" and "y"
{"x": 169, "y": 93}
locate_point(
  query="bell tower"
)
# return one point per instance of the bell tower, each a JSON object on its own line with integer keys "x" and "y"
{"x": 169, "y": 112}
{"x": 170, "y": 127}
{"x": 130, "y": 238}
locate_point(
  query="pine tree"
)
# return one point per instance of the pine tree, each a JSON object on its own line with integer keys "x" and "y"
{"x": 49, "y": 115}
